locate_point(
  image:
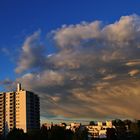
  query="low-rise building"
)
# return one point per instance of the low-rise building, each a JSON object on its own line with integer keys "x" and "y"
{"x": 99, "y": 130}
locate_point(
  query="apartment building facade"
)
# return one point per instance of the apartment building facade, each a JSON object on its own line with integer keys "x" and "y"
{"x": 20, "y": 109}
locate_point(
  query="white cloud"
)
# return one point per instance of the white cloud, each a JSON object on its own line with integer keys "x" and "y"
{"x": 73, "y": 35}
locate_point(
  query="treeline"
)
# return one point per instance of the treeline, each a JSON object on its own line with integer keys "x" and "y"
{"x": 127, "y": 129}
{"x": 54, "y": 133}
{"x": 124, "y": 130}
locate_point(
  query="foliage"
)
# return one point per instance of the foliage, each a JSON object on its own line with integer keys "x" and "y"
{"x": 91, "y": 123}
{"x": 124, "y": 130}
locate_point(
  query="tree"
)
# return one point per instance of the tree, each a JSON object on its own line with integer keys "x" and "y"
{"x": 16, "y": 134}
{"x": 81, "y": 134}
{"x": 44, "y": 133}
{"x": 68, "y": 134}
{"x": 91, "y": 123}
{"x": 120, "y": 129}
{"x": 111, "y": 134}
{"x": 56, "y": 133}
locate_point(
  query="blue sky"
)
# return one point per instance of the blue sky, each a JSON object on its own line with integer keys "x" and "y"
{"x": 20, "y": 18}
{"x": 23, "y": 22}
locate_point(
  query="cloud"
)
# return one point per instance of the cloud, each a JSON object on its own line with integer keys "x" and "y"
{"x": 93, "y": 73}
{"x": 41, "y": 80}
{"x": 121, "y": 32}
{"x": 133, "y": 63}
{"x": 7, "y": 81}
{"x": 134, "y": 72}
{"x": 32, "y": 56}
{"x": 109, "y": 77}
{"x": 5, "y": 51}
{"x": 73, "y": 35}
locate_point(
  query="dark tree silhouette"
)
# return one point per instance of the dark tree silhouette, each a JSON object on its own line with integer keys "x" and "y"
{"x": 56, "y": 133}
{"x": 80, "y": 134}
{"x": 44, "y": 133}
{"x": 16, "y": 134}
{"x": 111, "y": 134}
{"x": 91, "y": 123}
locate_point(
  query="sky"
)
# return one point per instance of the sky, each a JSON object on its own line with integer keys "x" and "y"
{"x": 82, "y": 57}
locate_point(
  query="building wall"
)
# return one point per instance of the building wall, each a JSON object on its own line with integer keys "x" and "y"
{"x": 21, "y": 110}
{"x": 2, "y": 113}
{"x": 33, "y": 112}
{"x": 10, "y": 111}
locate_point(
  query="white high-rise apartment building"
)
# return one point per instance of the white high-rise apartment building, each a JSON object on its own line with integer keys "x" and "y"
{"x": 20, "y": 109}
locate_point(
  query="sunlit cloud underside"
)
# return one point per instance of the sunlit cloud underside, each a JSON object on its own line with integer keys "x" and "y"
{"x": 95, "y": 72}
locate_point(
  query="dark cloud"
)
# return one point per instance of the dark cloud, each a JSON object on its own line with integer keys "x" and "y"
{"x": 94, "y": 73}
{"x": 33, "y": 55}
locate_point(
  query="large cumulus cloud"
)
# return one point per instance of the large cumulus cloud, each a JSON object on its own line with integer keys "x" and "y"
{"x": 94, "y": 72}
